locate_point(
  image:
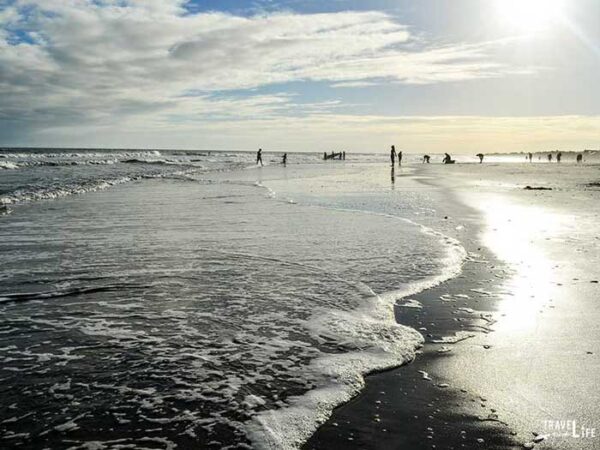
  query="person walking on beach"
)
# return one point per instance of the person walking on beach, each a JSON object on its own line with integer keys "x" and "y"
{"x": 480, "y": 156}
{"x": 426, "y": 159}
{"x": 284, "y": 159}
{"x": 399, "y": 159}
{"x": 558, "y": 156}
{"x": 259, "y": 157}
{"x": 393, "y": 155}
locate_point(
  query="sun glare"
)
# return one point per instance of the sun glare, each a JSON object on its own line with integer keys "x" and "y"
{"x": 531, "y": 15}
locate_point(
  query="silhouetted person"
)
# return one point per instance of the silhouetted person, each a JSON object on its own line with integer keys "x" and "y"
{"x": 530, "y": 156}
{"x": 259, "y": 156}
{"x": 325, "y": 155}
{"x": 447, "y": 159}
{"x": 284, "y": 159}
{"x": 393, "y": 155}
{"x": 399, "y": 159}
{"x": 558, "y": 156}
{"x": 579, "y": 158}
{"x": 549, "y": 157}
{"x": 344, "y": 156}
{"x": 480, "y": 156}
{"x": 426, "y": 159}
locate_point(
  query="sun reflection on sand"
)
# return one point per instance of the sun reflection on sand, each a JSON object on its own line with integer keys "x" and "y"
{"x": 512, "y": 233}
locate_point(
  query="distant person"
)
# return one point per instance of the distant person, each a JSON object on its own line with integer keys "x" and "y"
{"x": 549, "y": 157}
{"x": 344, "y": 156}
{"x": 558, "y": 156}
{"x": 579, "y": 158}
{"x": 259, "y": 156}
{"x": 480, "y": 156}
{"x": 530, "y": 156}
{"x": 426, "y": 159}
{"x": 325, "y": 155}
{"x": 284, "y": 159}
{"x": 399, "y": 159}
{"x": 447, "y": 159}
{"x": 393, "y": 155}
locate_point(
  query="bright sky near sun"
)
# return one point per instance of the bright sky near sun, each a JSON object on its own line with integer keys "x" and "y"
{"x": 360, "y": 75}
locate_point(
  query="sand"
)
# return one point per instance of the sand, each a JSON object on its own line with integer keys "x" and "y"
{"x": 527, "y": 376}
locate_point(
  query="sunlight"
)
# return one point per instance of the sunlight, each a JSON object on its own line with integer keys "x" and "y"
{"x": 531, "y": 15}
{"x": 512, "y": 229}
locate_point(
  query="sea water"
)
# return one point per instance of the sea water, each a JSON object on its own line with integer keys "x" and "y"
{"x": 200, "y": 302}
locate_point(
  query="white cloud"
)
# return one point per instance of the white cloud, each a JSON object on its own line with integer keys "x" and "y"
{"x": 105, "y": 61}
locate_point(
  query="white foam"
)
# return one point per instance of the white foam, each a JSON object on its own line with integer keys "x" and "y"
{"x": 8, "y": 165}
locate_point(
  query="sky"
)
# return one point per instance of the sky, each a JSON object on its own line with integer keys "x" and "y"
{"x": 460, "y": 76}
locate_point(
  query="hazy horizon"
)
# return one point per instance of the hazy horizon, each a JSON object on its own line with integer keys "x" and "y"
{"x": 430, "y": 76}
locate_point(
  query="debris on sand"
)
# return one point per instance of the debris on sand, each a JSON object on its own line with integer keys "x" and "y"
{"x": 537, "y": 188}
{"x": 425, "y": 375}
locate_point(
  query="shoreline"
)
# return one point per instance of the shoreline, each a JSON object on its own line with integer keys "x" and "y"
{"x": 530, "y": 382}
{"x": 404, "y": 407}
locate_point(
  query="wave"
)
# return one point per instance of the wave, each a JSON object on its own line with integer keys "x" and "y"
{"x": 8, "y": 165}
{"x": 380, "y": 343}
{"x": 33, "y": 194}
{"x": 28, "y": 296}
{"x": 151, "y": 161}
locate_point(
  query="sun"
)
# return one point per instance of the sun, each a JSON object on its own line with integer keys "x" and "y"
{"x": 531, "y": 15}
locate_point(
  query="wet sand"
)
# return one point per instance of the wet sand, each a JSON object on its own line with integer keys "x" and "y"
{"x": 526, "y": 378}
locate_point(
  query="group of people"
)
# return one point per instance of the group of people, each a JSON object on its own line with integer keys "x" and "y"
{"x": 579, "y": 157}
{"x": 426, "y": 158}
{"x": 393, "y": 156}
{"x": 260, "y": 161}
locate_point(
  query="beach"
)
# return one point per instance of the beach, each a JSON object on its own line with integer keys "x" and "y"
{"x": 197, "y": 300}
{"x": 520, "y": 371}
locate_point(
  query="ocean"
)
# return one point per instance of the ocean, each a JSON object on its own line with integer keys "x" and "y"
{"x": 175, "y": 299}
{"x": 193, "y": 300}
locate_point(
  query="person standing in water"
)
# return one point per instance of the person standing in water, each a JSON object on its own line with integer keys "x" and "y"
{"x": 480, "y": 156}
{"x": 399, "y": 159}
{"x": 549, "y": 157}
{"x": 259, "y": 157}
{"x": 558, "y": 156}
{"x": 393, "y": 155}
{"x": 426, "y": 159}
{"x": 579, "y": 158}
{"x": 530, "y": 156}
{"x": 284, "y": 159}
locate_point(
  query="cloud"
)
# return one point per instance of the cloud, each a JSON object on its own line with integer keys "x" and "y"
{"x": 65, "y": 62}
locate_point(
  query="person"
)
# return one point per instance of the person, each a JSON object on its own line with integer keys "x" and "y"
{"x": 530, "y": 155}
{"x": 344, "y": 156}
{"x": 399, "y": 159}
{"x": 393, "y": 155}
{"x": 284, "y": 159}
{"x": 259, "y": 156}
{"x": 480, "y": 156}
{"x": 558, "y": 156}
{"x": 426, "y": 159}
{"x": 549, "y": 157}
{"x": 447, "y": 159}
{"x": 579, "y": 158}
